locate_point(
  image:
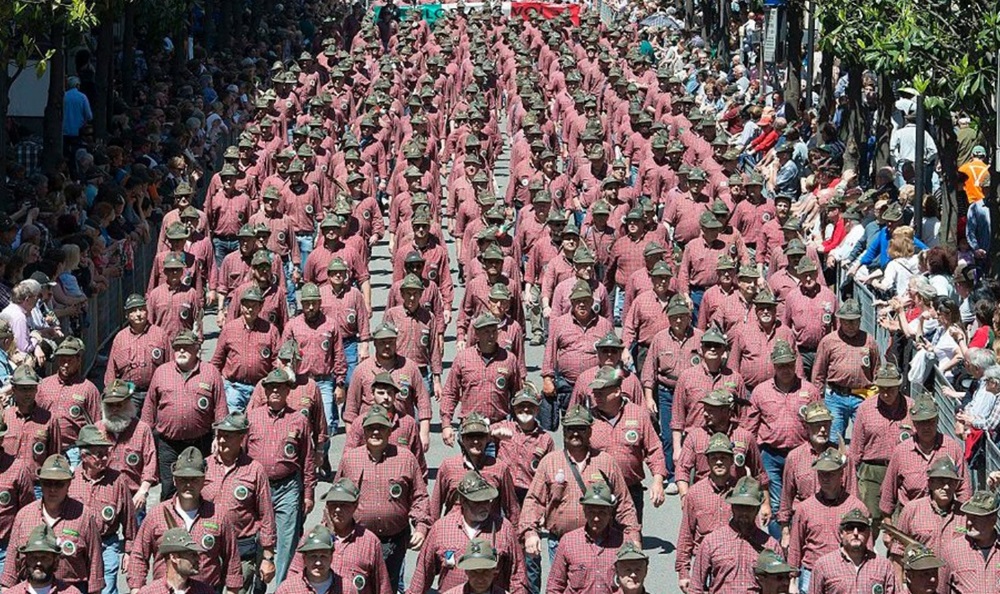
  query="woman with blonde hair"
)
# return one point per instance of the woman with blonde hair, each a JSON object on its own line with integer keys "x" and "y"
{"x": 903, "y": 263}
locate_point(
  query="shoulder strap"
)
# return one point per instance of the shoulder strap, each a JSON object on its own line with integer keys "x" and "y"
{"x": 576, "y": 473}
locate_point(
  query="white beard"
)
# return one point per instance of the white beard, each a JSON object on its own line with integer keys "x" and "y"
{"x": 120, "y": 422}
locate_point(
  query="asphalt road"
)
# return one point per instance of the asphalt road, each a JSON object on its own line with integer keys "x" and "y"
{"x": 660, "y": 524}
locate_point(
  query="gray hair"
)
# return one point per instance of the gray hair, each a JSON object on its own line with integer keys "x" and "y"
{"x": 981, "y": 359}
{"x": 992, "y": 373}
{"x": 73, "y": 82}
{"x": 25, "y": 290}
{"x": 924, "y": 288}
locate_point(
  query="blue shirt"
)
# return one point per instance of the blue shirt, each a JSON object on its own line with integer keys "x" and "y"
{"x": 878, "y": 248}
{"x": 977, "y": 227}
{"x": 76, "y": 112}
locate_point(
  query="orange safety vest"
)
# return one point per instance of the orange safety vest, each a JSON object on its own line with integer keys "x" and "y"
{"x": 977, "y": 175}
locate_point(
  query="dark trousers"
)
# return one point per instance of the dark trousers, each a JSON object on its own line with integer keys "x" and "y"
{"x": 394, "y": 553}
{"x": 250, "y": 557}
{"x": 637, "y": 491}
{"x": 808, "y": 360}
{"x": 552, "y": 408}
{"x": 532, "y": 563}
{"x": 167, "y": 452}
{"x": 139, "y": 399}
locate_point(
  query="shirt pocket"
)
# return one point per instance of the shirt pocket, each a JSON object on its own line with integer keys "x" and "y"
{"x": 577, "y": 578}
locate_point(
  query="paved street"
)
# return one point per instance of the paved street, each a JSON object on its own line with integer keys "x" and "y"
{"x": 660, "y": 526}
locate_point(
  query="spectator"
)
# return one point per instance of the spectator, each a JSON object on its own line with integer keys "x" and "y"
{"x": 76, "y": 113}
{"x": 982, "y": 413}
{"x": 903, "y": 264}
{"x": 938, "y": 264}
{"x": 23, "y": 299}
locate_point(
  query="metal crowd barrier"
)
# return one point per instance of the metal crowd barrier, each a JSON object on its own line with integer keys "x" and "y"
{"x": 982, "y": 464}
{"x": 106, "y": 309}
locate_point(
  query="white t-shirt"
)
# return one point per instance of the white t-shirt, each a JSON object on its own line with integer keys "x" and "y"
{"x": 898, "y": 272}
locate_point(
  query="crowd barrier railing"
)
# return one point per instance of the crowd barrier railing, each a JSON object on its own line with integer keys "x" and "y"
{"x": 982, "y": 464}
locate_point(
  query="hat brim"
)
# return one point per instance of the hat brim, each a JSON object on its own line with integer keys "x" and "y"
{"x": 576, "y": 423}
{"x": 889, "y": 383}
{"x": 848, "y": 316}
{"x": 823, "y": 418}
{"x": 54, "y": 475}
{"x": 376, "y": 421}
{"x": 62, "y": 352}
{"x": 32, "y": 548}
{"x": 944, "y": 475}
{"x": 484, "y": 495}
{"x": 474, "y": 564}
{"x": 744, "y": 500}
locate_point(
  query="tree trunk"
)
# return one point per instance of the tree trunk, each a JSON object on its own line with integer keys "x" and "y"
{"x": 883, "y": 129}
{"x": 944, "y": 136}
{"x": 5, "y": 83}
{"x": 128, "y": 51}
{"x": 854, "y": 129}
{"x": 52, "y": 139}
{"x": 793, "y": 56}
{"x": 103, "y": 75}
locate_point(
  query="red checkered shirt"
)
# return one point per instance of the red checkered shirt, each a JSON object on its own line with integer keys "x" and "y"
{"x": 352, "y": 251}
{"x": 357, "y": 555}
{"x": 393, "y": 492}
{"x": 74, "y": 404}
{"x": 711, "y": 301}
{"x": 523, "y": 451}
{"x": 296, "y": 583}
{"x": 109, "y": 499}
{"x": 835, "y": 573}
{"x": 281, "y": 242}
{"x": 17, "y": 484}
{"x": 698, "y": 264}
{"x": 731, "y": 311}
{"x": 449, "y": 475}
{"x": 184, "y": 405}
{"x": 570, "y": 348}
{"x": 799, "y": 481}
{"x": 693, "y": 384}
{"x": 405, "y": 434}
{"x": 412, "y": 400}
{"x": 304, "y": 209}
{"x": 561, "y": 304}
{"x": 510, "y": 337}
{"x": 631, "y": 440}
{"x": 134, "y": 357}
{"x": 282, "y": 442}
{"x": 420, "y": 336}
{"x": 33, "y": 437}
{"x": 160, "y": 586}
{"x": 212, "y": 529}
{"x": 692, "y": 464}
{"x": 477, "y": 298}
{"x": 553, "y": 499}
{"x": 924, "y": 521}
{"x": 235, "y": 270}
{"x": 430, "y": 299}
{"x": 849, "y": 364}
{"x": 725, "y": 561}
{"x": 816, "y": 528}
{"x": 304, "y": 397}
{"x": 584, "y": 565}
{"x": 810, "y": 316}
{"x": 173, "y": 311}
{"x": 275, "y": 308}
{"x": 683, "y": 214}
{"x": 626, "y": 257}
{"x": 321, "y": 344}
{"x": 773, "y": 415}
{"x": 445, "y": 544}
{"x": 556, "y": 271}
{"x": 349, "y": 309}
{"x": 668, "y": 357}
{"x": 58, "y": 587}
{"x": 906, "y": 476}
{"x": 750, "y": 350}
{"x": 245, "y": 354}
{"x": 703, "y": 510}
{"x": 437, "y": 268}
{"x": 369, "y": 215}
{"x": 646, "y": 317}
{"x": 878, "y": 428}
{"x": 244, "y": 492}
{"x": 540, "y": 255}
{"x": 227, "y": 213}
{"x": 481, "y": 383}
{"x": 78, "y": 533}
{"x": 133, "y": 453}
{"x": 583, "y": 394}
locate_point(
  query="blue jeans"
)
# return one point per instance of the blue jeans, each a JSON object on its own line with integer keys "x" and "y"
{"x": 3, "y": 553}
{"x": 805, "y": 576}
{"x": 286, "y": 495}
{"x": 696, "y": 295}
{"x": 111, "y": 551}
{"x": 289, "y": 287}
{"x": 425, "y": 373}
{"x": 326, "y": 385}
{"x": 665, "y": 404}
{"x": 553, "y": 546}
{"x": 237, "y": 395}
{"x": 351, "y": 354}
{"x": 774, "y": 465}
{"x": 533, "y": 572}
{"x": 842, "y": 408}
{"x": 306, "y": 243}
{"x": 619, "y": 304}
{"x": 552, "y": 408}
{"x": 223, "y": 248}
